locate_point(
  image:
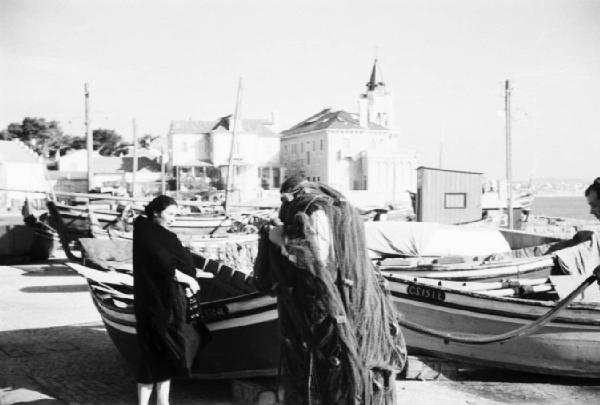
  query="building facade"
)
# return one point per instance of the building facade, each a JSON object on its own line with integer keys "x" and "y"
{"x": 21, "y": 169}
{"x": 355, "y": 153}
{"x": 199, "y": 155}
{"x": 108, "y": 172}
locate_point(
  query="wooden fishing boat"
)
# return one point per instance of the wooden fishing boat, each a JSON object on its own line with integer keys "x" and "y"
{"x": 237, "y": 249}
{"x": 567, "y": 346}
{"x": 457, "y": 253}
{"x": 190, "y": 224}
{"x": 244, "y": 322}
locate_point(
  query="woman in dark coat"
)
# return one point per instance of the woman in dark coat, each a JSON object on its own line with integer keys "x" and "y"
{"x": 162, "y": 270}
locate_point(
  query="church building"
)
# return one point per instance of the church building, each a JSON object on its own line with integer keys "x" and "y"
{"x": 357, "y": 153}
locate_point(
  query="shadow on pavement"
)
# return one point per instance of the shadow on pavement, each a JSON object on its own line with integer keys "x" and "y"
{"x": 48, "y": 271}
{"x": 79, "y": 364}
{"x": 67, "y": 288}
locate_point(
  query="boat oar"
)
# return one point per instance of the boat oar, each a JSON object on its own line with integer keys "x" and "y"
{"x": 522, "y": 331}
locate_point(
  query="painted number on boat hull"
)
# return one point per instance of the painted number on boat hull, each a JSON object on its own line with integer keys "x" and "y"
{"x": 425, "y": 293}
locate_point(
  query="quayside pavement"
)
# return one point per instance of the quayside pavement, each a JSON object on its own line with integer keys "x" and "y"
{"x": 54, "y": 350}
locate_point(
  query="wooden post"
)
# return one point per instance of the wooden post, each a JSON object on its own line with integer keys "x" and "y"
{"x": 163, "y": 188}
{"x": 509, "y": 205}
{"x": 135, "y": 160}
{"x": 236, "y": 118}
{"x": 177, "y": 182}
{"x": 88, "y": 138}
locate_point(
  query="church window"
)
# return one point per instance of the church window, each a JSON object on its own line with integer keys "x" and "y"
{"x": 302, "y": 148}
{"x": 321, "y": 144}
{"x": 307, "y": 157}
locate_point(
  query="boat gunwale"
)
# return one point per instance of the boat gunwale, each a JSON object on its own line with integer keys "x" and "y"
{"x": 572, "y": 317}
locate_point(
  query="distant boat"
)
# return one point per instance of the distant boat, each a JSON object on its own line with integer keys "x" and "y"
{"x": 245, "y": 326}
{"x": 492, "y": 200}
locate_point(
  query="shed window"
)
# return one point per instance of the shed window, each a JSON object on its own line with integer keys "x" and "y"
{"x": 455, "y": 200}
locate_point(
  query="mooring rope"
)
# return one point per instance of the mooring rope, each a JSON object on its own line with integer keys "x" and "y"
{"x": 522, "y": 331}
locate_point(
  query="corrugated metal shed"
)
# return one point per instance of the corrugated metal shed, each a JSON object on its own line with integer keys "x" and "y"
{"x": 448, "y": 196}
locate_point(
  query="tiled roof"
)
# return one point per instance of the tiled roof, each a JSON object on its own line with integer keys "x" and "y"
{"x": 328, "y": 119}
{"x": 192, "y": 127}
{"x": 11, "y": 151}
{"x": 256, "y": 126}
{"x": 114, "y": 164}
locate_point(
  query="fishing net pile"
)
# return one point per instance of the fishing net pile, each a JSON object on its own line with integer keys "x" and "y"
{"x": 341, "y": 343}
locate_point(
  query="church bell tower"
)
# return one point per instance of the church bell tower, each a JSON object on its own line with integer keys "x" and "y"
{"x": 375, "y": 106}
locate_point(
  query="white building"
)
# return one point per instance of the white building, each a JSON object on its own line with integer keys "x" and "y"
{"x": 108, "y": 171}
{"x": 201, "y": 149}
{"x": 354, "y": 153}
{"x": 21, "y": 169}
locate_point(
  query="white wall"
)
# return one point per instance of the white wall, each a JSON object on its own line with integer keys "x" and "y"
{"x": 75, "y": 161}
{"x": 294, "y": 156}
{"x": 22, "y": 176}
{"x": 350, "y": 155}
{"x": 189, "y": 147}
{"x": 249, "y": 148}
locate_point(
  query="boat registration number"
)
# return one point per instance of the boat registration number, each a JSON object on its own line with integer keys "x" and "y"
{"x": 425, "y": 293}
{"x": 213, "y": 314}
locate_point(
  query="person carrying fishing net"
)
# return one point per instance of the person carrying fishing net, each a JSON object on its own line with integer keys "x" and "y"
{"x": 340, "y": 340}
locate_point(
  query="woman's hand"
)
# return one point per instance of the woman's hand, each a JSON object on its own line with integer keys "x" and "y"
{"x": 193, "y": 285}
{"x": 191, "y": 282}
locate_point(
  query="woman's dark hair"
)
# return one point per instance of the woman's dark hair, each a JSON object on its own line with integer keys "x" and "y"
{"x": 595, "y": 186}
{"x": 158, "y": 205}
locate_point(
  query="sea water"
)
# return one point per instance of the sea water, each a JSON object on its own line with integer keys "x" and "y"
{"x": 562, "y": 206}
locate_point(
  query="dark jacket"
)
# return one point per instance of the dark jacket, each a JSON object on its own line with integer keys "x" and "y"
{"x": 168, "y": 344}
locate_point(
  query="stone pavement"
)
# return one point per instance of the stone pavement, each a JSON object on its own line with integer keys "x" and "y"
{"x": 55, "y": 350}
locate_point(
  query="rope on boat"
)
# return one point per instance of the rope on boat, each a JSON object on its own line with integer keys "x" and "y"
{"x": 519, "y": 332}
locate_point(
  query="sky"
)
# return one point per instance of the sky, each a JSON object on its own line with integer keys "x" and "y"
{"x": 445, "y": 62}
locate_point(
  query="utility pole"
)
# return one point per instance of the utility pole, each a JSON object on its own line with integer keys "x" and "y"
{"x": 88, "y": 138}
{"x": 162, "y": 170}
{"x": 135, "y": 160}
{"x": 509, "y": 205}
{"x": 236, "y": 118}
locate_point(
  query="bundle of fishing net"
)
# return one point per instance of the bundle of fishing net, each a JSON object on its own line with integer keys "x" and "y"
{"x": 341, "y": 341}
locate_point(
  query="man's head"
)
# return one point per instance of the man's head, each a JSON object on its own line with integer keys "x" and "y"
{"x": 592, "y": 194}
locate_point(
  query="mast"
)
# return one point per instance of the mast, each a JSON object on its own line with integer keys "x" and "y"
{"x": 88, "y": 138}
{"x": 162, "y": 170}
{"x": 236, "y": 118}
{"x": 509, "y": 205}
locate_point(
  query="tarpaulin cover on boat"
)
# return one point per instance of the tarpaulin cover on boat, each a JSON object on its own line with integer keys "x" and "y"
{"x": 432, "y": 239}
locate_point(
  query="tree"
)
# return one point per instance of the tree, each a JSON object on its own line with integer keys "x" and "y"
{"x": 108, "y": 143}
{"x": 37, "y": 133}
{"x": 46, "y": 137}
{"x": 146, "y": 141}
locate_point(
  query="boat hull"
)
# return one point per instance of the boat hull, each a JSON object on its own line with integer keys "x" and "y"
{"x": 244, "y": 345}
{"x": 567, "y": 346}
